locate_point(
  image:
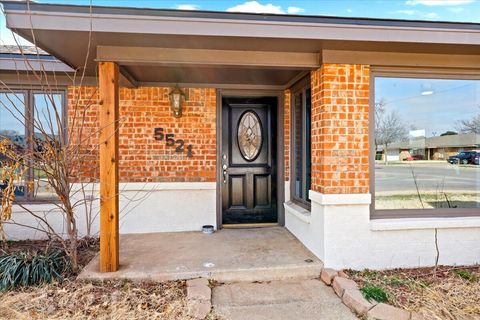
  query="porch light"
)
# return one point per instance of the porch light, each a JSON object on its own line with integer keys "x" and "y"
{"x": 177, "y": 97}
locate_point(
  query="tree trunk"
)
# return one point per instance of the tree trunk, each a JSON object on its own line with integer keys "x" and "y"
{"x": 72, "y": 237}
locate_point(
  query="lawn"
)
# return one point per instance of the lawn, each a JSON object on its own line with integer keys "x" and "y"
{"x": 451, "y": 293}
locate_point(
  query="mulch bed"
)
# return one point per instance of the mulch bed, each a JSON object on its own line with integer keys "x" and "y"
{"x": 448, "y": 293}
{"x": 87, "y": 248}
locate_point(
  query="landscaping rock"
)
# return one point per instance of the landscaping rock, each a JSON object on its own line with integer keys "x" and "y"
{"x": 341, "y": 284}
{"x": 197, "y": 282}
{"x": 202, "y": 293}
{"x": 354, "y": 299}
{"x": 199, "y": 309}
{"x": 417, "y": 316}
{"x": 342, "y": 274}
{"x": 384, "y": 311}
{"x": 328, "y": 275}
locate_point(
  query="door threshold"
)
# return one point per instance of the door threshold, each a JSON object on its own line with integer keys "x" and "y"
{"x": 249, "y": 225}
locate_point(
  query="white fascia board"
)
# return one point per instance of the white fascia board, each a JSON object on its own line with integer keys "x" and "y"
{"x": 117, "y": 23}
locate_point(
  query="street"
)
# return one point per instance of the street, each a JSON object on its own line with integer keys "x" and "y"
{"x": 431, "y": 177}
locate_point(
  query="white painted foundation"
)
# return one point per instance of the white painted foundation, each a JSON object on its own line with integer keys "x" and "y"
{"x": 144, "y": 208}
{"x": 338, "y": 229}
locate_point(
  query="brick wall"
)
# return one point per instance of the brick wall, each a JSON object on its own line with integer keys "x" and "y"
{"x": 83, "y": 131}
{"x": 142, "y": 157}
{"x": 339, "y": 132}
{"x": 340, "y": 146}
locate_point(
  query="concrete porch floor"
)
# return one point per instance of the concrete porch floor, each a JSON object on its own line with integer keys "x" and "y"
{"x": 228, "y": 255}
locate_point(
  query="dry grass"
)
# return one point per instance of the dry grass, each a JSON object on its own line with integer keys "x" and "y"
{"x": 445, "y": 295}
{"x": 108, "y": 300}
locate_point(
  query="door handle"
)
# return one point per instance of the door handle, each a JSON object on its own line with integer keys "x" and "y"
{"x": 225, "y": 173}
{"x": 224, "y": 167}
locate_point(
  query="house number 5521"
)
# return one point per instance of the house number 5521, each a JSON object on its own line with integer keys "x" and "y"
{"x": 171, "y": 142}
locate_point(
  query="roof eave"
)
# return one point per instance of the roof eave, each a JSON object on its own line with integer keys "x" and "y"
{"x": 126, "y": 20}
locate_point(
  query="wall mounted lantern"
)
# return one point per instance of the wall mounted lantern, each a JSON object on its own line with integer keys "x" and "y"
{"x": 177, "y": 98}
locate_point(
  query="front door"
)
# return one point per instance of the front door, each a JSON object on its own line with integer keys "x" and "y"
{"x": 248, "y": 160}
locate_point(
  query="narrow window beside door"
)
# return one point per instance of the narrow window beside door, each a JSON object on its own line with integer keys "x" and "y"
{"x": 301, "y": 144}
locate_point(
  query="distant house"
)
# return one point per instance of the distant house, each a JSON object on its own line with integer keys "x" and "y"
{"x": 431, "y": 148}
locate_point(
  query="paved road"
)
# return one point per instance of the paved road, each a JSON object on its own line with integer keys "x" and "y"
{"x": 430, "y": 177}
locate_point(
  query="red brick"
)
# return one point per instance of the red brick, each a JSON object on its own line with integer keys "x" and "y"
{"x": 142, "y": 158}
{"x": 340, "y": 107}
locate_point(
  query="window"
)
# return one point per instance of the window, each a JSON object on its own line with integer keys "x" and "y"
{"x": 17, "y": 110}
{"x": 12, "y": 111}
{"x": 426, "y": 146}
{"x": 301, "y": 143}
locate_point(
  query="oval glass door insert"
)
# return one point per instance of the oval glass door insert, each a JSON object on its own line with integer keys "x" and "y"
{"x": 249, "y": 135}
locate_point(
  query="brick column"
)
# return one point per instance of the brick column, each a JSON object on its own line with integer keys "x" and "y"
{"x": 340, "y": 147}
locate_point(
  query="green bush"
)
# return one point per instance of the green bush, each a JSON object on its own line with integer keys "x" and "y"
{"x": 27, "y": 268}
{"x": 376, "y": 293}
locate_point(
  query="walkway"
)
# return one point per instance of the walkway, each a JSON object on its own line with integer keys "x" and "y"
{"x": 279, "y": 300}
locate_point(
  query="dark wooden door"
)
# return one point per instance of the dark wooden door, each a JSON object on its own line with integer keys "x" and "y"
{"x": 248, "y": 160}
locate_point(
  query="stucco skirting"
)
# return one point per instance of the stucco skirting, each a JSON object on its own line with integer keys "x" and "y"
{"x": 340, "y": 232}
{"x": 144, "y": 207}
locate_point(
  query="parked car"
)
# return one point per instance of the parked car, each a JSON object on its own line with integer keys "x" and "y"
{"x": 415, "y": 157}
{"x": 464, "y": 157}
{"x": 477, "y": 159}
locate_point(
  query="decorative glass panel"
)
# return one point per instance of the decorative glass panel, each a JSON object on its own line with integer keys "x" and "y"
{"x": 249, "y": 135}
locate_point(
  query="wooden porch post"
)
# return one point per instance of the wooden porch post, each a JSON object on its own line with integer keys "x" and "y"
{"x": 108, "y": 140}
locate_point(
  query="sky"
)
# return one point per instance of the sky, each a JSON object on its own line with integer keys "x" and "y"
{"x": 432, "y": 105}
{"x": 433, "y": 10}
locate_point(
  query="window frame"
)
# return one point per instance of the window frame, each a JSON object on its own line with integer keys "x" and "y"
{"x": 298, "y": 88}
{"x": 411, "y": 73}
{"x": 29, "y": 98}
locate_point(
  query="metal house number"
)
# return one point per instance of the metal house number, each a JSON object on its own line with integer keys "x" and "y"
{"x": 171, "y": 142}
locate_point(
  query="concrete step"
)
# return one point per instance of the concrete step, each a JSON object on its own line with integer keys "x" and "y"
{"x": 302, "y": 270}
{"x": 264, "y": 254}
{"x": 283, "y": 300}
